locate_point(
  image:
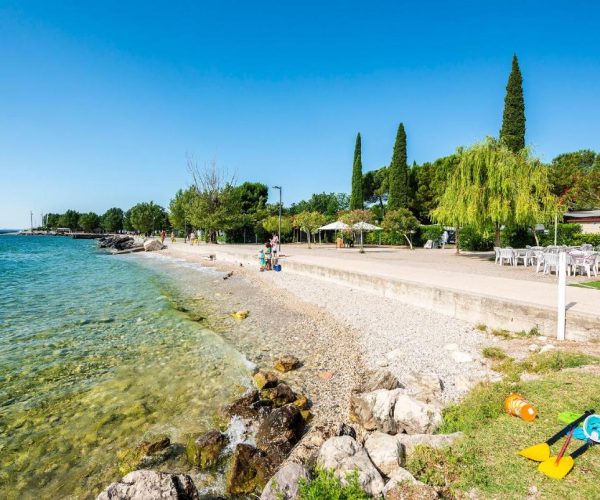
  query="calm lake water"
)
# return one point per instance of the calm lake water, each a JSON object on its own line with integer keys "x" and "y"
{"x": 97, "y": 355}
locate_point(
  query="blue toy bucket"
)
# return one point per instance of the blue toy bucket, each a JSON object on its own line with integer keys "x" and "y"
{"x": 277, "y": 267}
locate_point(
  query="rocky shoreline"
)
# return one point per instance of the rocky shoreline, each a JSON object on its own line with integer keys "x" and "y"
{"x": 330, "y": 410}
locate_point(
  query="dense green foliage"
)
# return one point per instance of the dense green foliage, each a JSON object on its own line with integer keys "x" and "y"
{"x": 401, "y": 222}
{"x": 69, "y": 219}
{"x": 328, "y": 204}
{"x": 398, "y": 173}
{"x": 356, "y": 196}
{"x": 512, "y": 133}
{"x": 309, "y": 222}
{"x": 575, "y": 179}
{"x": 326, "y": 486}
{"x": 492, "y": 186}
{"x": 112, "y": 220}
{"x": 148, "y": 217}
{"x": 89, "y": 222}
{"x": 271, "y": 225}
{"x": 51, "y": 221}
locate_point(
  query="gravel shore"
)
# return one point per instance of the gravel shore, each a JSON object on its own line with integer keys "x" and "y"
{"x": 338, "y": 332}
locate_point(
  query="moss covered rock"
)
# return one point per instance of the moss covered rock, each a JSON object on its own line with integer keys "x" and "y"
{"x": 265, "y": 380}
{"x": 280, "y": 395}
{"x": 287, "y": 363}
{"x": 249, "y": 471}
{"x": 204, "y": 451}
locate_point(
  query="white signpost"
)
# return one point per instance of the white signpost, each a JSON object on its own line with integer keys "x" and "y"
{"x": 562, "y": 292}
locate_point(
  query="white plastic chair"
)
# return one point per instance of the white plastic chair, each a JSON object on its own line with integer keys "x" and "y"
{"x": 587, "y": 264}
{"x": 497, "y": 252}
{"x": 507, "y": 254}
{"x": 550, "y": 261}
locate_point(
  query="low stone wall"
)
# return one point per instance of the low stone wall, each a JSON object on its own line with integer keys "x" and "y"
{"x": 494, "y": 312}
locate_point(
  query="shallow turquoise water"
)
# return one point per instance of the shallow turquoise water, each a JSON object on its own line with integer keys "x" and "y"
{"x": 94, "y": 357}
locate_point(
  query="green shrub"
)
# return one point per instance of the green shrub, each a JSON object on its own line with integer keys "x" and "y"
{"x": 566, "y": 234}
{"x": 434, "y": 466}
{"x": 326, "y": 486}
{"x": 473, "y": 240}
{"x": 516, "y": 237}
{"x": 433, "y": 232}
{"x": 555, "y": 361}
{"x": 590, "y": 239}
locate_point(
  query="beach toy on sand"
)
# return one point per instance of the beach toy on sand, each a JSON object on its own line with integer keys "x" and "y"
{"x": 559, "y": 467}
{"x": 518, "y": 406}
{"x": 541, "y": 451}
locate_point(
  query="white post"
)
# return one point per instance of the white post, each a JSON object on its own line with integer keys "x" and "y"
{"x": 562, "y": 290}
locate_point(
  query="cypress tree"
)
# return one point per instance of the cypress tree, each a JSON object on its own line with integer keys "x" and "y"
{"x": 399, "y": 174}
{"x": 512, "y": 132}
{"x": 356, "y": 198}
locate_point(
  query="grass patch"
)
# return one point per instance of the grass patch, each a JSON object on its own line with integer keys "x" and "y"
{"x": 555, "y": 361}
{"x": 486, "y": 459}
{"x": 595, "y": 285}
{"x": 481, "y": 327}
{"x": 326, "y": 486}
{"x": 494, "y": 353}
{"x": 503, "y": 334}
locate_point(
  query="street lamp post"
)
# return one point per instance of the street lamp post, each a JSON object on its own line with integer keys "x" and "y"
{"x": 279, "y": 233}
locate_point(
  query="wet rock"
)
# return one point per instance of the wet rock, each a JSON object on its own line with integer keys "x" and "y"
{"x": 204, "y": 451}
{"x": 378, "y": 379}
{"x": 242, "y": 407}
{"x": 374, "y": 410}
{"x": 344, "y": 455}
{"x": 152, "y": 245}
{"x": 284, "y": 484}
{"x": 155, "y": 445}
{"x": 146, "y": 484}
{"x": 279, "y": 432}
{"x": 265, "y": 380}
{"x": 249, "y": 471}
{"x": 287, "y": 363}
{"x": 117, "y": 241}
{"x": 281, "y": 394}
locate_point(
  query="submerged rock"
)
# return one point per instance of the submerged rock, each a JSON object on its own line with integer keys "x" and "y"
{"x": 205, "y": 450}
{"x": 287, "y": 363}
{"x": 243, "y": 406}
{"x": 155, "y": 445}
{"x": 249, "y": 471}
{"x": 284, "y": 485}
{"x": 344, "y": 455}
{"x": 148, "y": 484}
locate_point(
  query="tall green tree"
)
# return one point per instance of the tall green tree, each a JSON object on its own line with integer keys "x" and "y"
{"x": 69, "y": 219}
{"x": 309, "y": 222}
{"x": 402, "y": 222}
{"x": 112, "y": 220}
{"x": 512, "y": 133}
{"x": 89, "y": 222}
{"x": 356, "y": 197}
{"x": 148, "y": 217}
{"x": 399, "y": 174}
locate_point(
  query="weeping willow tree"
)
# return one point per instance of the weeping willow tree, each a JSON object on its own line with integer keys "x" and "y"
{"x": 492, "y": 186}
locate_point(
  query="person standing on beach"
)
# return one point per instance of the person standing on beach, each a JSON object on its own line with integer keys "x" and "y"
{"x": 192, "y": 238}
{"x": 172, "y": 236}
{"x": 163, "y": 235}
{"x": 261, "y": 259}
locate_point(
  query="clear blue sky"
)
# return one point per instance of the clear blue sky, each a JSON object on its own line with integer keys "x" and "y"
{"x": 101, "y": 101}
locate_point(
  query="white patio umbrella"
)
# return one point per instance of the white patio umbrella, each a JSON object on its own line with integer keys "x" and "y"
{"x": 364, "y": 226}
{"x": 333, "y": 226}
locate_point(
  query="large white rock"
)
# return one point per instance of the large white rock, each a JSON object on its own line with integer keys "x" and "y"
{"x": 284, "y": 484}
{"x": 152, "y": 245}
{"x": 415, "y": 417}
{"x": 383, "y": 452}
{"x": 461, "y": 357}
{"x": 149, "y": 484}
{"x": 344, "y": 455}
{"x": 374, "y": 410}
{"x": 427, "y": 387}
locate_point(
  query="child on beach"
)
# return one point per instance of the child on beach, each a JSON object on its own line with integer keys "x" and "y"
{"x": 261, "y": 258}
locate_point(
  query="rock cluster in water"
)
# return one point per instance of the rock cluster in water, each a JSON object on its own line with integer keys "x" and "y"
{"x": 118, "y": 242}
